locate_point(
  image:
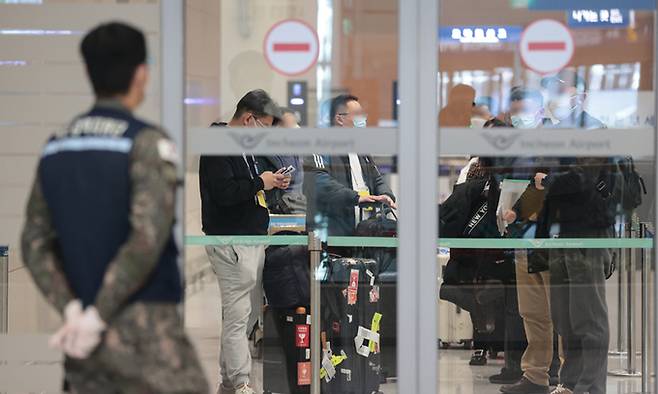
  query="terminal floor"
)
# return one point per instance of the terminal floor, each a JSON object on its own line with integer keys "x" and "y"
{"x": 455, "y": 375}
{"x": 28, "y": 366}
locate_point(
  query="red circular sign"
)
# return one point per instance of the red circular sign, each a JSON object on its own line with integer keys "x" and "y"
{"x": 291, "y": 47}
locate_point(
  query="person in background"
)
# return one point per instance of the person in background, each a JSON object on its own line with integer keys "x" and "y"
{"x": 579, "y": 203}
{"x": 338, "y": 184}
{"x": 458, "y": 111}
{"x": 233, "y": 203}
{"x": 532, "y": 276}
{"x": 291, "y": 200}
{"x": 567, "y": 92}
{"x": 526, "y": 108}
{"x": 480, "y": 116}
{"x": 98, "y": 237}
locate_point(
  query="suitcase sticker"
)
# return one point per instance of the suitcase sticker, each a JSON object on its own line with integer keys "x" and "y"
{"x": 302, "y": 336}
{"x": 353, "y": 287}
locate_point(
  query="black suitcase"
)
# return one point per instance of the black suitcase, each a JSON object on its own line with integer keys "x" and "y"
{"x": 351, "y": 321}
{"x": 286, "y": 281}
{"x": 286, "y": 351}
{"x": 382, "y": 222}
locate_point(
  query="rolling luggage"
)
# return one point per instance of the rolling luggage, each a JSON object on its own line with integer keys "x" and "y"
{"x": 286, "y": 331}
{"x": 351, "y": 321}
{"x": 455, "y": 327}
{"x": 286, "y": 352}
{"x": 382, "y": 222}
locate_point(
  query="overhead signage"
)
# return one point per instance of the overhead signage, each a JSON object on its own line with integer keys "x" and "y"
{"x": 557, "y": 5}
{"x": 479, "y": 34}
{"x": 609, "y": 17}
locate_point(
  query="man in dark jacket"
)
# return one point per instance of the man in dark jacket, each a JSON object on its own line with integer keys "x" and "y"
{"x": 338, "y": 184}
{"x": 233, "y": 203}
{"x": 579, "y": 203}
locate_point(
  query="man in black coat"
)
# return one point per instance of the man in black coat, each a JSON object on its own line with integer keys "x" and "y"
{"x": 338, "y": 184}
{"x": 580, "y": 203}
{"x": 233, "y": 203}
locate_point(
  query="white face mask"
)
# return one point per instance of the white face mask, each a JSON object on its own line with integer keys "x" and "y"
{"x": 561, "y": 107}
{"x": 478, "y": 123}
{"x": 525, "y": 121}
{"x": 360, "y": 121}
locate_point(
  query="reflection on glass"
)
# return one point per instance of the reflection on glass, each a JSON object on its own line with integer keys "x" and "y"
{"x": 562, "y": 223}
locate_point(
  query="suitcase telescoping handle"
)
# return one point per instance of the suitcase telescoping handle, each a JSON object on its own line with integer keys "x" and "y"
{"x": 382, "y": 207}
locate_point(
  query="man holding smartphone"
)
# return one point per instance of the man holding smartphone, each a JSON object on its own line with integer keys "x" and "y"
{"x": 233, "y": 203}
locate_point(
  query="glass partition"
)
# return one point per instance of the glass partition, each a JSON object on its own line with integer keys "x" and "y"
{"x": 330, "y": 69}
{"x": 546, "y": 193}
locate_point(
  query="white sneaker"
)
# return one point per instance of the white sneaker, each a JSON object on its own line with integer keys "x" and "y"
{"x": 560, "y": 389}
{"x": 244, "y": 389}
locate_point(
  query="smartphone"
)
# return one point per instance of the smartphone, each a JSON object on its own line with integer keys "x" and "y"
{"x": 288, "y": 171}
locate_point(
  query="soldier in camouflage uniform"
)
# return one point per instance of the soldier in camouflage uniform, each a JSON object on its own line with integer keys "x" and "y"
{"x": 98, "y": 237}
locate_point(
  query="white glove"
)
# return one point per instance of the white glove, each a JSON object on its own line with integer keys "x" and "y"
{"x": 81, "y": 333}
{"x": 85, "y": 335}
{"x": 72, "y": 312}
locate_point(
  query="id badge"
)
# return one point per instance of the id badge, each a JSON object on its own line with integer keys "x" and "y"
{"x": 260, "y": 196}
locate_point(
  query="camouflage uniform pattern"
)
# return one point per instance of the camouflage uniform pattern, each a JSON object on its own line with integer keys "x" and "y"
{"x": 150, "y": 334}
{"x": 144, "y": 350}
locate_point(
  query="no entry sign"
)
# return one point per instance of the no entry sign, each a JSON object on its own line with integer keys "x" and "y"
{"x": 291, "y": 47}
{"x": 546, "y": 46}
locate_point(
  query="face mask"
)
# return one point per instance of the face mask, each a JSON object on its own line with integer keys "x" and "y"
{"x": 478, "y": 123}
{"x": 359, "y": 121}
{"x": 525, "y": 121}
{"x": 561, "y": 107}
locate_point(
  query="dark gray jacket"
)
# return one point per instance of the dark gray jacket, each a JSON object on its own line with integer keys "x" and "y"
{"x": 331, "y": 198}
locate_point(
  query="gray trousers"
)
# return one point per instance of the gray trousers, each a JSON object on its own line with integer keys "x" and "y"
{"x": 580, "y": 314}
{"x": 239, "y": 271}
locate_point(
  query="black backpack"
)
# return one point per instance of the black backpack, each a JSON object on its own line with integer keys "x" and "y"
{"x": 633, "y": 185}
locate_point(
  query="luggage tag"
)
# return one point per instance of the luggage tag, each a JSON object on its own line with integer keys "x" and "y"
{"x": 372, "y": 277}
{"x": 328, "y": 371}
{"x": 365, "y": 193}
{"x": 302, "y": 336}
{"x": 374, "y": 294}
{"x": 376, "y": 320}
{"x": 304, "y": 373}
{"x": 362, "y": 335}
{"x": 352, "y": 289}
{"x": 260, "y": 196}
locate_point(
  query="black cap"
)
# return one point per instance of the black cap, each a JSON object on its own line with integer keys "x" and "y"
{"x": 566, "y": 77}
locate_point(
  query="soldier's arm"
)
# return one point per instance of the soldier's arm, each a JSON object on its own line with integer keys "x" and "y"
{"x": 39, "y": 249}
{"x": 153, "y": 182}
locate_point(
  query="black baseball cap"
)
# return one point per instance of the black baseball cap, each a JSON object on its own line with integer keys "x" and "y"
{"x": 566, "y": 77}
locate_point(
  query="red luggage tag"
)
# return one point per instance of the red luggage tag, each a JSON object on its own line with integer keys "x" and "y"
{"x": 353, "y": 287}
{"x": 304, "y": 373}
{"x": 302, "y": 336}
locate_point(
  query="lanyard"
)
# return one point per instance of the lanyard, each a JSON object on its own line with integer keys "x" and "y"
{"x": 253, "y": 159}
